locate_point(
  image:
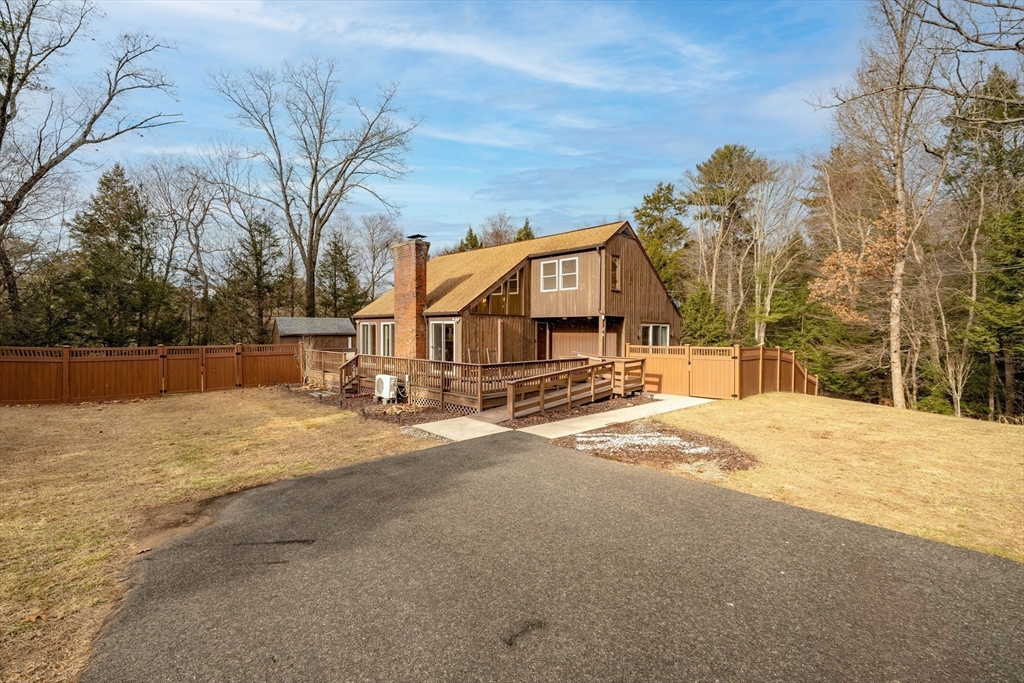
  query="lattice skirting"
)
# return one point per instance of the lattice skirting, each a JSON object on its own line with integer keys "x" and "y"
{"x": 449, "y": 407}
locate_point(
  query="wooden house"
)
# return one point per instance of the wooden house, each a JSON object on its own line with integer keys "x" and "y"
{"x": 588, "y": 291}
{"x": 333, "y": 334}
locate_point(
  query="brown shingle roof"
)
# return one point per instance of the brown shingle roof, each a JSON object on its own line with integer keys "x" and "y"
{"x": 456, "y": 280}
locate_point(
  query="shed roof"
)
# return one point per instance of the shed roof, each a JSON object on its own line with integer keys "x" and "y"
{"x": 456, "y": 280}
{"x": 312, "y": 327}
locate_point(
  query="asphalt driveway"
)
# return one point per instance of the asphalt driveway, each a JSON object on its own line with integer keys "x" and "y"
{"x": 505, "y": 558}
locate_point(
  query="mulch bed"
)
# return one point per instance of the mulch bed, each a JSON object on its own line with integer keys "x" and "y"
{"x": 654, "y": 444}
{"x": 395, "y": 413}
{"x": 604, "y": 405}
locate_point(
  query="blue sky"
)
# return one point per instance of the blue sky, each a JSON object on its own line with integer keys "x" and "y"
{"x": 567, "y": 113}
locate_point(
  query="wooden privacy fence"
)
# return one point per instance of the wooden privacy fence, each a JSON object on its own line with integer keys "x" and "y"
{"x": 66, "y": 375}
{"x": 723, "y": 371}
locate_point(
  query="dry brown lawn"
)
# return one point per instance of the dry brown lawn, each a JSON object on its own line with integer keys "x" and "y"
{"x": 84, "y": 488}
{"x": 952, "y": 480}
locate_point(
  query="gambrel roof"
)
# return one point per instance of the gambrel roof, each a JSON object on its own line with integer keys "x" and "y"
{"x": 457, "y": 280}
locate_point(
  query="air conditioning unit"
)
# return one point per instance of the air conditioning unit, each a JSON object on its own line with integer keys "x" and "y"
{"x": 386, "y": 387}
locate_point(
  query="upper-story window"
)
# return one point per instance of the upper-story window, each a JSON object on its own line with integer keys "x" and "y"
{"x": 559, "y": 274}
{"x": 616, "y": 274}
{"x": 513, "y": 284}
{"x": 570, "y": 278}
{"x": 549, "y": 276}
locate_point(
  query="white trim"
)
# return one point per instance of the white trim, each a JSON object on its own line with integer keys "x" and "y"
{"x": 363, "y": 337}
{"x": 542, "y": 276}
{"x": 575, "y": 273}
{"x": 648, "y": 339}
{"x": 515, "y": 279}
{"x": 430, "y": 351}
{"x": 384, "y": 351}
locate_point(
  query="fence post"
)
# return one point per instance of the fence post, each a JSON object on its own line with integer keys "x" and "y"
{"x": 592, "y": 392}
{"x": 202, "y": 369}
{"x": 238, "y": 365}
{"x": 66, "y": 378}
{"x": 737, "y": 381}
{"x": 805, "y": 381}
{"x": 792, "y": 373}
{"x": 568, "y": 388}
{"x": 162, "y": 353}
{"x": 479, "y": 388}
{"x": 543, "y": 381}
{"x": 688, "y": 363}
{"x": 302, "y": 363}
{"x": 778, "y": 368}
{"x": 760, "y": 369}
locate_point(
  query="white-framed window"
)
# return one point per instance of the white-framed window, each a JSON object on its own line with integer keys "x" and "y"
{"x": 442, "y": 340}
{"x": 368, "y": 338}
{"x": 387, "y": 339}
{"x": 561, "y": 274}
{"x": 654, "y": 335}
{"x": 549, "y": 276}
{"x": 513, "y": 283}
{"x": 568, "y": 270}
{"x": 616, "y": 274}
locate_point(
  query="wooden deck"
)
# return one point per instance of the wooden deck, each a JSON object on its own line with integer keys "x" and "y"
{"x": 468, "y": 387}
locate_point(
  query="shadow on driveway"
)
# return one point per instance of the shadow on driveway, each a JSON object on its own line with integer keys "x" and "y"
{"x": 506, "y": 558}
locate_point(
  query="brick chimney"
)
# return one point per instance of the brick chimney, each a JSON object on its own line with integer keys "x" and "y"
{"x": 410, "y": 259}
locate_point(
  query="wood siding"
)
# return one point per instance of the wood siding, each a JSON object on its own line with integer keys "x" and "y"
{"x": 497, "y": 338}
{"x": 583, "y": 301}
{"x": 642, "y": 298}
{"x": 572, "y": 337}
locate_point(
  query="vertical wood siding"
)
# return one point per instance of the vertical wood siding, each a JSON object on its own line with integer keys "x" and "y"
{"x": 642, "y": 298}
{"x": 585, "y": 300}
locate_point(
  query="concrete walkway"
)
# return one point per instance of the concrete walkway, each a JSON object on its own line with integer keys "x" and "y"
{"x": 476, "y": 426}
{"x": 585, "y": 423}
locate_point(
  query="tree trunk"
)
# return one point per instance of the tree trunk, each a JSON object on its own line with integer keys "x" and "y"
{"x": 991, "y": 387}
{"x": 10, "y": 279}
{"x": 1009, "y": 383}
{"x": 895, "y": 336}
{"x": 310, "y": 293}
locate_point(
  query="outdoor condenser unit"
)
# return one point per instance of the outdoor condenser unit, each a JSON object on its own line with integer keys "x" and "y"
{"x": 386, "y": 387}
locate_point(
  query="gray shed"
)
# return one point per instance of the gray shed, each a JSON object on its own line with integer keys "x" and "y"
{"x": 321, "y": 333}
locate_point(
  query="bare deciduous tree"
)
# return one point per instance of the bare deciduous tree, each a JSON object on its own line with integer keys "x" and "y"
{"x": 776, "y": 215}
{"x": 377, "y": 235}
{"x": 310, "y": 151}
{"x": 888, "y": 117}
{"x": 41, "y": 125}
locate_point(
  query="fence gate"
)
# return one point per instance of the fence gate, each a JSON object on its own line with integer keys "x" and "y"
{"x": 713, "y": 372}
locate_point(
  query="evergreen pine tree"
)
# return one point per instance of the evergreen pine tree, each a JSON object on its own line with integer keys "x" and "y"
{"x": 525, "y": 232}
{"x": 115, "y": 287}
{"x": 704, "y": 321}
{"x": 470, "y": 241}
{"x": 340, "y": 293}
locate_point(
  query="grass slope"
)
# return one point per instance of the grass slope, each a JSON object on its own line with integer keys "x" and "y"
{"x": 952, "y": 480}
{"x": 79, "y": 483}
